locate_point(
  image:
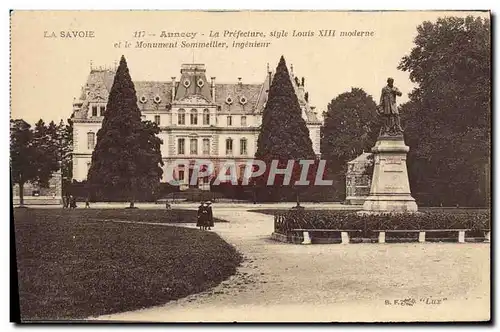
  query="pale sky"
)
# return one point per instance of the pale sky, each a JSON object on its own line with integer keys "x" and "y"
{"x": 47, "y": 73}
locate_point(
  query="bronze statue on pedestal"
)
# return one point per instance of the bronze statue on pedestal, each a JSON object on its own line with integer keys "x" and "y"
{"x": 389, "y": 110}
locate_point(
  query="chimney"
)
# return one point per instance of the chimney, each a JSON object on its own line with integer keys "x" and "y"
{"x": 173, "y": 88}
{"x": 239, "y": 80}
{"x": 213, "y": 89}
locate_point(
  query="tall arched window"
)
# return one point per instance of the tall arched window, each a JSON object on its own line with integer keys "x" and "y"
{"x": 181, "y": 117}
{"x": 194, "y": 117}
{"x": 206, "y": 146}
{"x": 193, "y": 147}
{"x": 181, "y": 146}
{"x": 206, "y": 117}
{"x": 243, "y": 146}
{"x": 90, "y": 140}
{"x": 229, "y": 146}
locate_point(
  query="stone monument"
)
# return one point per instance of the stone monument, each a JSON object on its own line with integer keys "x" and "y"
{"x": 390, "y": 188}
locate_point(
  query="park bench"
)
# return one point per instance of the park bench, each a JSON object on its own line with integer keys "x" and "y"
{"x": 421, "y": 233}
{"x": 344, "y": 235}
{"x": 487, "y": 235}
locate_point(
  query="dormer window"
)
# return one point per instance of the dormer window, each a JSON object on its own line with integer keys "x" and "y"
{"x": 229, "y": 100}
{"x": 94, "y": 110}
{"x": 103, "y": 110}
{"x": 186, "y": 83}
{"x": 200, "y": 83}
{"x": 143, "y": 99}
{"x": 157, "y": 99}
{"x": 243, "y": 100}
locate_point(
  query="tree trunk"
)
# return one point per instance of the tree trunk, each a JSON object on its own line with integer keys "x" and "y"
{"x": 21, "y": 194}
{"x": 132, "y": 195}
{"x": 132, "y": 198}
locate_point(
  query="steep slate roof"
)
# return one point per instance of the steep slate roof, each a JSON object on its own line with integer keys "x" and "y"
{"x": 360, "y": 163}
{"x": 236, "y": 91}
{"x": 264, "y": 90}
{"x": 362, "y": 158}
{"x": 194, "y": 74}
{"x": 151, "y": 90}
{"x": 97, "y": 88}
{"x": 100, "y": 81}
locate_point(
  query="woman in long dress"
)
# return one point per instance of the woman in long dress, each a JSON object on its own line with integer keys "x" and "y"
{"x": 210, "y": 216}
{"x": 200, "y": 216}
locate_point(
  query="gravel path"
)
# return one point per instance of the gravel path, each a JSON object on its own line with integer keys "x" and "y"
{"x": 344, "y": 283}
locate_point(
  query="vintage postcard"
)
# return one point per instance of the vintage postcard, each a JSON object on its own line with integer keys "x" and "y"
{"x": 251, "y": 166}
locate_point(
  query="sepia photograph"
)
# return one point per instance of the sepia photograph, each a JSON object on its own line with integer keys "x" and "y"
{"x": 250, "y": 166}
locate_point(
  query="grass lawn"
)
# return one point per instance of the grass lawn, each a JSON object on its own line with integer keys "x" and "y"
{"x": 149, "y": 215}
{"x": 72, "y": 266}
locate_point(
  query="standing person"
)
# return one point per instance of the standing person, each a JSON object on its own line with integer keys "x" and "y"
{"x": 200, "y": 222}
{"x": 87, "y": 202}
{"x": 65, "y": 201}
{"x": 72, "y": 202}
{"x": 205, "y": 216}
{"x": 210, "y": 216}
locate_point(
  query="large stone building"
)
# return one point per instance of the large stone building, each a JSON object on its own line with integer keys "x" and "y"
{"x": 199, "y": 118}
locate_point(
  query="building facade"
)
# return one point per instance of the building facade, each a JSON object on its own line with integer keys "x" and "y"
{"x": 358, "y": 179}
{"x": 198, "y": 117}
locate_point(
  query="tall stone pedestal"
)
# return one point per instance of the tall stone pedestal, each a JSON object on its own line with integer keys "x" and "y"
{"x": 390, "y": 188}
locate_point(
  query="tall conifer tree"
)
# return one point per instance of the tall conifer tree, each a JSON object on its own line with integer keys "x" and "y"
{"x": 126, "y": 159}
{"x": 284, "y": 135}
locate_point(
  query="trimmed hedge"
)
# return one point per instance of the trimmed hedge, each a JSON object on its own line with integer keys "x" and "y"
{"x": 477, "y": 221}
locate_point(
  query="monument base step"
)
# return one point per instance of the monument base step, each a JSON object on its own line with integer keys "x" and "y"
{"x": 390, "y": 203}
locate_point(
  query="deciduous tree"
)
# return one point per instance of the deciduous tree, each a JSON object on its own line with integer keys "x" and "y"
{"x": 351, "y": 126}
{"x": 21, "y": 154}
{"x": 448, "y": 115}
{"x": 33, "y": 153}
